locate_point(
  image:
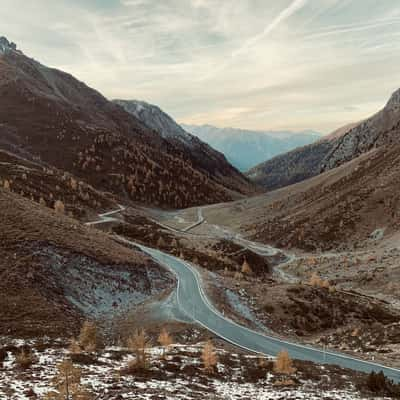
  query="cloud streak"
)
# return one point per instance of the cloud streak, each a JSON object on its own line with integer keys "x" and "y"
{"x": 295, "y": 6}
{"x": 260, "y": 64}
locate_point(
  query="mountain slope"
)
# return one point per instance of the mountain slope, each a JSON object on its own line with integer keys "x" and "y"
{"x": 55, "y": 272}
{"x": 292, "y": 167}
{"x": 202, "y": 156}
{"x": 246, "y": 148}
{"x": 49, "y": 185}
{"x": 339, "y": 207}
{"x": 296, "y": 165}
{"x": 48, "y": 116}
{"x": 381, "y": 129}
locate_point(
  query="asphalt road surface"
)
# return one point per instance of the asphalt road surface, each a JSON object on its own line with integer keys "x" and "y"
{"x": 194, "y": 303}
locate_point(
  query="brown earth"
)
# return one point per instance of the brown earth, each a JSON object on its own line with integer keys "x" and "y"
{"x": 48, "y": 185}
{"x": 51, "y": 265}
{"x": 338, "y": 209}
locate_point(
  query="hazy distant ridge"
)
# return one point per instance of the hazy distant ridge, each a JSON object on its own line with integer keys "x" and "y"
{"x": 246, "y": 148}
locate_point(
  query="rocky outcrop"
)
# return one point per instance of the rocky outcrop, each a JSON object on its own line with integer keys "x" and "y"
{"x": 381, "y": 129}
{"x": 156, "y": 119}
{"x": 6, "y": 46}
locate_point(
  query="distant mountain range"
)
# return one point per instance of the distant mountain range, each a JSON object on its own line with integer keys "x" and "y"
{"x": 246, "y": 148}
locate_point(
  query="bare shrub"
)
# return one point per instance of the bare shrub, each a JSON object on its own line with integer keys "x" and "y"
{"x": 165, "y": 340}
{"x": 7, "y": 184}
{"x": 88, "y": 337}
{"x": 317, "y": 281}
{"x": 73, "y": 184}
{"x": 209, "y": 357}
{"x": 246, "y": 269}
{"x": 160, "y": 242}
{"x": 25, "y": 359}
{"x": 67, "y": 384}
{"x": 283, "y": 363}
{"x": 74, "y": 348}
{"x": 59, "y": 207}
{"x": 139, "y": 343}
{"x": 238, "y": 276}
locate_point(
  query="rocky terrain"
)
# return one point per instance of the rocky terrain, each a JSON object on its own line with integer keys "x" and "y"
{"x": 44, "y": 110}
{"x": 315, "y": 296}
{"x": 55, "y": 272}
{"x": 382, "y": 129}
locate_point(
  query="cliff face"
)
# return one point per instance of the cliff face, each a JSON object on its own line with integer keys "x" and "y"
{"x": 381, "y": 129}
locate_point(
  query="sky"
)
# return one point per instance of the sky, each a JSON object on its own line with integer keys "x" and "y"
{"x": 255, "y": 64}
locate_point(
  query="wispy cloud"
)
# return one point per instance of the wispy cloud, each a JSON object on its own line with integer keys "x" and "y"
{"x": 265, "y": 64}
{"x": 295, "y": 6}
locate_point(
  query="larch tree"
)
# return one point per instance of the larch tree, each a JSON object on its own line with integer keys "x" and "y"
{"x": 88, "y": 337}
{"x": 59, "y": 207}
{"x": 315, "y": 280}
{"x": 160, "y": 242}
{"x": 209, "y": 357}
{"x": 246, "y": 269}
{"x": 165, "y": 340}
{"x": 67, "y": 384}
{"x": 283, "y": 363}
{"x": 139, "y": 343}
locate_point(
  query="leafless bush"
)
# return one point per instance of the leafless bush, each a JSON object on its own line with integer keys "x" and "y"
{"x": 284, "y": 364}
{"x": 209, "y": 357}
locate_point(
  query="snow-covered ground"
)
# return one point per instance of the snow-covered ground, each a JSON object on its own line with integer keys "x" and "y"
{"x": 180, "y": 376}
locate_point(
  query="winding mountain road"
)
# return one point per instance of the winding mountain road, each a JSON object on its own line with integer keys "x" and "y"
{"x": 193, "y": 302}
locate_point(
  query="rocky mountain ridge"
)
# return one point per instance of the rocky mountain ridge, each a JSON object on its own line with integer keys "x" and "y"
{"x": 381, "y": 129}
{"x": 202, "y": 156}
{"x": 6, "y": 46}
{"x": 44, "y": 110}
